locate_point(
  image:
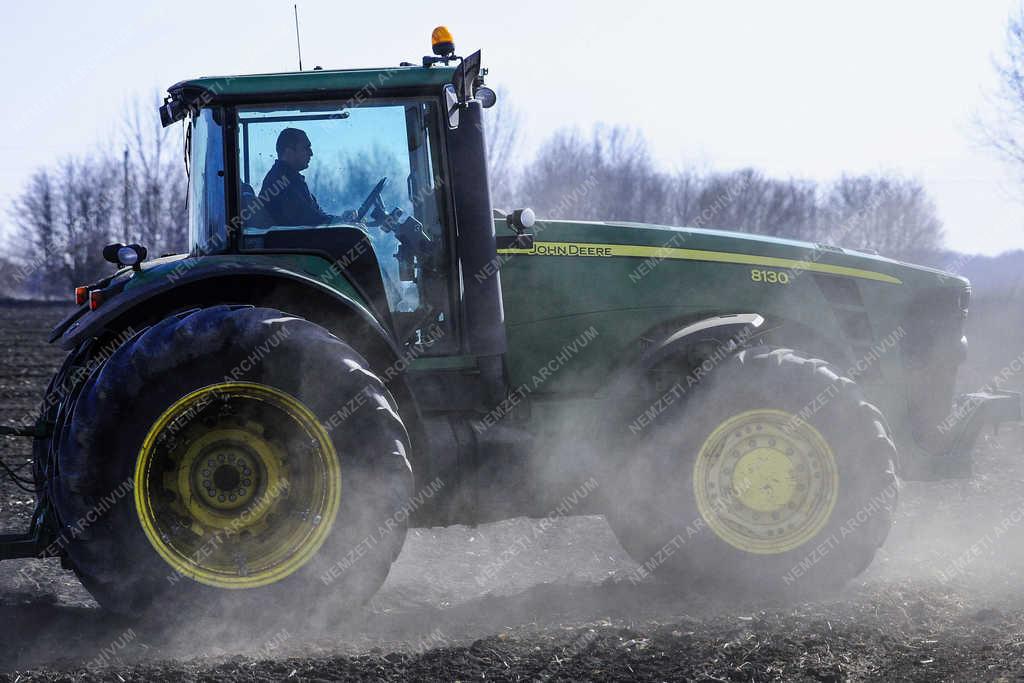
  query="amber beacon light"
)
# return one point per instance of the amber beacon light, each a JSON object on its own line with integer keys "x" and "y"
{"x": 442, "y": 42}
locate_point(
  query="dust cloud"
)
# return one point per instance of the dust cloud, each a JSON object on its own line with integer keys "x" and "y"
{"x": 953, "y": 563}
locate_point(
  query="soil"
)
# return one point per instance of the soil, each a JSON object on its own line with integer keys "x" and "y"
{"x": 942, "y": 601}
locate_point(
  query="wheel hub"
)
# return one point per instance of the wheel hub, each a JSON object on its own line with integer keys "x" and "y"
{"x": 227, "y": 477}
{"x": 765, "y": 481}
{"x": 225, "y": 470}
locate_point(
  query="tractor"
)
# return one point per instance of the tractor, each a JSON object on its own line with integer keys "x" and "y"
{"x": 370, "y": 346}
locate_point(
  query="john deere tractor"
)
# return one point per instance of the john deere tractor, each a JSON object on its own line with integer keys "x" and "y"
{"x": 370, "y": 345}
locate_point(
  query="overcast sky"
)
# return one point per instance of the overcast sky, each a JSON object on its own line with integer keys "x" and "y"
{"x": 803, "y": 88}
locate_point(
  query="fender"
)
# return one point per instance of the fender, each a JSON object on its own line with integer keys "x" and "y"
{"x": 724, "y": 332}
{"x": 225, "y": 282}
{"x": 692, "y": 344}
{"x": 630, "y": 389}
{"x": 257, "y": 284}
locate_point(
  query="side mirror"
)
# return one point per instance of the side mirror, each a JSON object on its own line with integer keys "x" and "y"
{"x": 462, "y": 87}
{"x": 466, "y": 75}
{"x": 451, "y": 104}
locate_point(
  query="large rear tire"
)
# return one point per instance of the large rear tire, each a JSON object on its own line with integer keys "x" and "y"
{"x": 771, "y": 476}
{"x": 228, "y": 456}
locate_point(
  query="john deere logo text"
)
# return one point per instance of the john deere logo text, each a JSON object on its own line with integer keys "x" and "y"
{"x": 542, "y": 249}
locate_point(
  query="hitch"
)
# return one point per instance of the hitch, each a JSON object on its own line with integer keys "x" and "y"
{"x": 40, "y": 430}
{"x": 971, "y": 412}
{"x": 38, "y": 541}
{"x": 975, "y": 410}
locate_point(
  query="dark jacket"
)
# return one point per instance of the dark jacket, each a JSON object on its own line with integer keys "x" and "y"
{"x": 288, "y": 199}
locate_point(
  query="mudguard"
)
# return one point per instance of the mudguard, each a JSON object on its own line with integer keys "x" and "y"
{"x": 720, "y": 333}
{"x": 213, "y": 278}
{"x": 694, "y": 343}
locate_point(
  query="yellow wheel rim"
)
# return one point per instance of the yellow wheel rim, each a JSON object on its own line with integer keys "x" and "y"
{"x": 765, "y": 481}
{"x": 237, "y": 485}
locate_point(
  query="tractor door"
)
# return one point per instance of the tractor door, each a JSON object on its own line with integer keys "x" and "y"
{"x": 375, "y": 168}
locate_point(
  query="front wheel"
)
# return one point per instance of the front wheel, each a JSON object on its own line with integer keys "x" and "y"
{"x": 232, "y": 454}
{"x": 770, "y": 476}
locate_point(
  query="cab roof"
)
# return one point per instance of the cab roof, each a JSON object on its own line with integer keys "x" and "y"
{"x": 222, "y": 88}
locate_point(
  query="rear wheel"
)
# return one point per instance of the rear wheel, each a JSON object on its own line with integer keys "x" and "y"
{"x": 244, "y": 492}
{"x": 228, "y": 455}
{"x": 770, "y": 476}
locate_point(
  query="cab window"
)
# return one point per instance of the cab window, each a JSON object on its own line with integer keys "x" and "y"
{"x": 375, "y": 166}
{"x": 207, "y": 225}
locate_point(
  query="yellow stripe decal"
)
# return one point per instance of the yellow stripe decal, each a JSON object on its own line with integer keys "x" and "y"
{"x": 606, "y": 250}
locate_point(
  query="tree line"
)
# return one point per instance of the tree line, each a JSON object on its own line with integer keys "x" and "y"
{"x": 887, "y": 213}
{"x": 134, "y": 190}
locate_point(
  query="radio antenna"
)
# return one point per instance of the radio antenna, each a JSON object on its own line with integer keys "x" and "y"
{"x": 298, "y": 43}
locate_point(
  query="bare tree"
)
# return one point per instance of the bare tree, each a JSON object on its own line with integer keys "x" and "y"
{"x": 153, "y": 184}
{"x": 63, "y": 221}
{"x": 10, "y": 278}
{"x": 613, "y": 163}
{"x": 749, "y": 201}
{"x": 65, "y": 215}
{"x": 887, "y": 213}
{"x": 1004, "y": 129}
{"x": 501, "y": 128}
{"x": 891, "y": 215}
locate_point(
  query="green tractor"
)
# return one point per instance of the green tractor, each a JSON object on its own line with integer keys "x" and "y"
{"x": 370, "y": 346}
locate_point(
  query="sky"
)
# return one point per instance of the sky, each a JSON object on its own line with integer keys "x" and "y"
{"x": 809, "y": 89}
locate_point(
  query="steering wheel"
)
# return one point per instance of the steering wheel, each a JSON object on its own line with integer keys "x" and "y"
{"x": 372, "y": 199}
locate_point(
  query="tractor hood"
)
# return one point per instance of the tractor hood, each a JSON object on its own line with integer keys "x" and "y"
{"x": 650, "y": 245}
{"x": 630, "y": 280}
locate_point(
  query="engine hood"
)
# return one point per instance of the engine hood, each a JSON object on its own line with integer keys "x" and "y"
{"x": 663, "y": 243}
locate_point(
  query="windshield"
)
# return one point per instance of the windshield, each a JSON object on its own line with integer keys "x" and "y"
{"x": 374, "y": 165}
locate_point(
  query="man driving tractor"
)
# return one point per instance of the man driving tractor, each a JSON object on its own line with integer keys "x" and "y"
{"x": 284, "y": 192}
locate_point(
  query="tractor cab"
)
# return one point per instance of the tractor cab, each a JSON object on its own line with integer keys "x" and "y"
{"x": 379, "y": 171}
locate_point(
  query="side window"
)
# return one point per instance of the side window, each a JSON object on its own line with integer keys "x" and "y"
{"x": 207, "y": 224}
{"x": 375, "y": 166}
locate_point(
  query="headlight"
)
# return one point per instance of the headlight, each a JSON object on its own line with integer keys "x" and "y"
{"x": 487, "y": 97}
{"x": 127, "y": 256}
{"x": 121, "y": 255}
{"x": 965, "y": 300}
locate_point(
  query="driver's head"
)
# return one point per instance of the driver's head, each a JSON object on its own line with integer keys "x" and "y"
{"x": 294, "y": 149}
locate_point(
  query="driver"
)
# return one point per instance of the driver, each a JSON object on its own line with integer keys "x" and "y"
{"x": 284, "y": 192}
